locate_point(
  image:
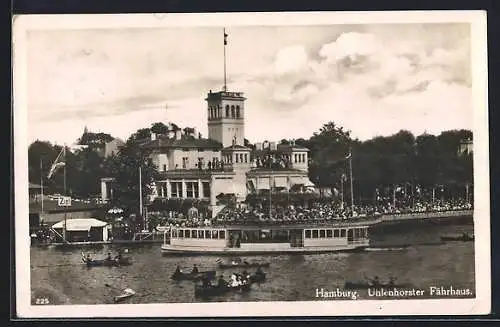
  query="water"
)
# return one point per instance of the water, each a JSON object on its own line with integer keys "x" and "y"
{"x": 60, "y": 275}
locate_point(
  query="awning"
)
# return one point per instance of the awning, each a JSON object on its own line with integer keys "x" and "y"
{"x": 80, "y": 224}
{"x": 263, "y": 183}
{"x": 280, "y": 181}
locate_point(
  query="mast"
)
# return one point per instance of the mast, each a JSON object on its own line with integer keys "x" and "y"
{"x": 41, "y": 180}
{"x": 225, "y": 43}
{"x": 64, "y": 194}
{"x": 64, "y": 156}
{"x": 270, "y": 195}
{"x": 140, "y": 193}
{"x": 350, "y": 175}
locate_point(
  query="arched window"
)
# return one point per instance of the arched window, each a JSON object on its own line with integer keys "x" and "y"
{"x": 232, "y": 112}
{"x": 237, "y": 111}
{"x": 227, "y": 110}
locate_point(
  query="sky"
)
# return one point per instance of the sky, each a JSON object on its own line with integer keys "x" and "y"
{"x": 370, "y": 79}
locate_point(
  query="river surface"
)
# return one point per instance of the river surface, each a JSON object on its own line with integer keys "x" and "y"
{"x": 60, "y": 276}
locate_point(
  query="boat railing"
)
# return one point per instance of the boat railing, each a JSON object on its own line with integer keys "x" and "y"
{"x": 148, "y": 236}
{"x": 335, "y": 221}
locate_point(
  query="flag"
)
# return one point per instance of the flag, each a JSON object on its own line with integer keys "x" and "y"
{"x": 225, "y": 37}
{"x": 58, "y": 163}
{"x": 344, "y": 177}
{"x": 349, "y": 155}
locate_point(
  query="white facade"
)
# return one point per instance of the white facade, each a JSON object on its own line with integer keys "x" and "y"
{"x": 226, "y": 117}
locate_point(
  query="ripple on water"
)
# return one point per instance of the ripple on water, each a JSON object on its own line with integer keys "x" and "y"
{"x": 61, "y": 275}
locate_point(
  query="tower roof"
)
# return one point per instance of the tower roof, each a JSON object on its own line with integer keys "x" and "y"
{"x": 221, "y": 95}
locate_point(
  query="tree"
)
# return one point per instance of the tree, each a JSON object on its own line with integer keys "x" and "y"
{"x": 329, "y": 147}
{"x": 159, "y": 128}
{"x": 124, "y": 168}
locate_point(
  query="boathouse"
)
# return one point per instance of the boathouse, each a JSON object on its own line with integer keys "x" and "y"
{"x": 83, "y": 230}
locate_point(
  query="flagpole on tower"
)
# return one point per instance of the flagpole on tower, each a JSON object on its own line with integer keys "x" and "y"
{"x": 225, "y": 43}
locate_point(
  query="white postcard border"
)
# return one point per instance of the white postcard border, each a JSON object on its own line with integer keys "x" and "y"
{"x": 480, "y": 305}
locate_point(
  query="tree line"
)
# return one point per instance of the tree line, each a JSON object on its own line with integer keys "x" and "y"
{"x": 378, "y": 163}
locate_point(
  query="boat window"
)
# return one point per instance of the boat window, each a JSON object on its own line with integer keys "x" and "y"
{"x": 214, "y": 234}
{"x": 174, "y": 233}
{"x": 201, "y": 234}
{"x": 194, "y": 234}
{"x": 315, "y": 233}
{"x": 208, "y": 234}
{"x": 342, "y": 233}
{"x": 186, "y": 233}
{"x": 329, "y": 233}
{"x": 181, "y": 233}
{"x": 308, "y": 233}
{"x": 222, "y": 234}
{"x": 322, "y": 233}
{"x": 336, "y": 233}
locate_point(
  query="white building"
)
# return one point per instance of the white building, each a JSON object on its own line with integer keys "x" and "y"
{"x": 192, "y": 167}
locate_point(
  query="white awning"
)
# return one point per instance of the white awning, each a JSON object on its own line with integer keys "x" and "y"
{"x": 80, "y": 224}
{"x": 281, "y": 181}
{"x": 263, "y": 183}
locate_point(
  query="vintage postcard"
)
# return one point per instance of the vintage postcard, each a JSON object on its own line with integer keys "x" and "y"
{"x": 251, "y": 164}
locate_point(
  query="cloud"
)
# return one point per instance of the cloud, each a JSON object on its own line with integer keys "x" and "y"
{"x": 371, "y": 79}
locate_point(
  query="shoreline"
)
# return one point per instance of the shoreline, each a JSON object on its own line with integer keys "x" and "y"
{"x": 383, "y": 219}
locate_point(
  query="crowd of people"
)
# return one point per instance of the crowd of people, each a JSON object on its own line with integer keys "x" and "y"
{"x": 331, "y": 211}
{"x": 315, "y": 212}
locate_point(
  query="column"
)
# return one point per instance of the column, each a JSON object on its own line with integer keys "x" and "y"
{"x": 169, "y": 189}
{"x": 104, "y": 191}
{"x": 184, "y": 189}
{"x": 200, "y": 189}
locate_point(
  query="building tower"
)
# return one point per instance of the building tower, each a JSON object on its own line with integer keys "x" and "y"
{"x": 226, "y": 113}
{"x": 226, "y": 117}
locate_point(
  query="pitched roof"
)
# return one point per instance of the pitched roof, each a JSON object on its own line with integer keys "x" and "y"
{"x": 274, "y": 171}
{"x": 183, "y": 142}
{"x": 236, "y": 147}
{"x": 80, "y": 224}
{"x": 287, "y": 147}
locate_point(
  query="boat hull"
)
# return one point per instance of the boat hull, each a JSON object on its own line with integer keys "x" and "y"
{"x": 194, "y": 277}
{"x": 194, "y": 250}
{"x": 214, "y": 290}
{"x": 108, "y": 263}
{"x": 245, "y": 266}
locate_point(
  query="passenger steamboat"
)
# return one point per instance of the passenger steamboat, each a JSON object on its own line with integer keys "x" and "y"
{"x": 247, "y": 239}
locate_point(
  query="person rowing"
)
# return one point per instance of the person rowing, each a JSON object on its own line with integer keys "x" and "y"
{"x": 195, "y": 270}
{"x": 88, "y": 259}
{"x": 221, "y": 282}
{"x": 178, "y": 270}
{"x": 375, "y": 281}
{"x": 118, "y": 257}
{"x": 392, "y": 281}
{"x": 109, "y": 257}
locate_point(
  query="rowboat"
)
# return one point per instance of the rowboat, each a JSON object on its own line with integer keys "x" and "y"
{"x": 461, "y": 238}
{"x": 210, "y": 274}
{"x": 125, "y": 295}
{"x": 216, "y": 290}
{"x": 257, "y": 278}
{"x": 107, "y": 262}
{"x": 366, "y": 285}
{"x": 243, "y": 265}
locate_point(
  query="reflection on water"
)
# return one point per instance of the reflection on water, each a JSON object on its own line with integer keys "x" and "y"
{"x": 60, "y": 274}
